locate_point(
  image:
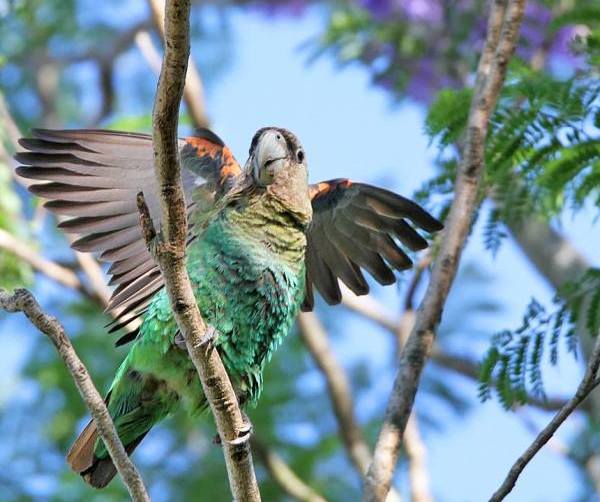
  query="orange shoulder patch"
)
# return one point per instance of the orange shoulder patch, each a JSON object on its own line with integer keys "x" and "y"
{"x": 324, "y": 187}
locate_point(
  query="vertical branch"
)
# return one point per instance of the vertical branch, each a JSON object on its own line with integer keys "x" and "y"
{"x": 503, "y": 27}
{"x": 23, "y": 301}
{"x": 168, "y": 250}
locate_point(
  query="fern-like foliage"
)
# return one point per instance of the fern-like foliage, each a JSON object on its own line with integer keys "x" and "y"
{"x": 542, "y": 149}
{"x": 512, "y": 365}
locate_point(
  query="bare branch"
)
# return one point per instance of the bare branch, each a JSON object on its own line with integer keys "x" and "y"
{"x": 9, "y": 126}
{"x": 62, "y": 275}
{"x": 588, "y": 383}
{"x": 23, "y": 301}
{"x": 96, "y": 278}
{"x": 143, "y": 41}
{"x": 314, "y": 337}
{"x": 193, "y": 93}
{"x": 368, "y": 307}
{"x": 416, "y": 454}
{"x": 503, "y": 28}
{"x": 283, "y": 475}
{"x": 169, "y": 252}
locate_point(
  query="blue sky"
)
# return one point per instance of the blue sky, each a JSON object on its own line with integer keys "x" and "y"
{"x": 350, "y": 129}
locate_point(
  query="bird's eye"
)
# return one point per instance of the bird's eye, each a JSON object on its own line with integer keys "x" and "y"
{"x": 300, "y": 155}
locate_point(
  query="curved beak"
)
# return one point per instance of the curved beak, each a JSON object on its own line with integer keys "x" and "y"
{"x": 271, "y": 148}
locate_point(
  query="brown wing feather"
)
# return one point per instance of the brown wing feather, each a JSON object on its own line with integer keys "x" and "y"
{"x": 357, "y": 226}
{"x": 94, "y": 176}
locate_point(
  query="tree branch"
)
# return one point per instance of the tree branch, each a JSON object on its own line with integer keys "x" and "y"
{"x": 416, "y": 453}
{"x": 283, "y": 475}
{"x": 503, "y": 28}
{"x": 588, "y": 383}
{"x": 61, "y": 275}
{"x": 315, "y": 339}
{"x": 23, "y": 301}
{"x": 169, "y": 249}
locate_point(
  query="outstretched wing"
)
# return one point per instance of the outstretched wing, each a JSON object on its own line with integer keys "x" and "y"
{"x": 355, "y": 226}
{"x": 94, "y": 176}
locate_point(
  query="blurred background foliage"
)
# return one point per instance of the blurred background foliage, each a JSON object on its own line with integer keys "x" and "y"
{"x": 67, "y": 63}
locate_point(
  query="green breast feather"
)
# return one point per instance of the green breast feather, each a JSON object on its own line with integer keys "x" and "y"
{"x": 247, "y": 270}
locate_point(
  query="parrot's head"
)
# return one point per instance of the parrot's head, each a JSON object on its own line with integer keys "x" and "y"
{"x": 277, "y": 162}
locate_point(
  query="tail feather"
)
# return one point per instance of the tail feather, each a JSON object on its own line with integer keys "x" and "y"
{"x": 97, "y": 472}
{"x": 81, "y": 454}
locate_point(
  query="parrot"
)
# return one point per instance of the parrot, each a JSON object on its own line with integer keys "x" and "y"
{"x": 260, "y": 240}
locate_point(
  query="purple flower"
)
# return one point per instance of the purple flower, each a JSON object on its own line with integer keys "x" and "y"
{"x": 563, "y": 56}
{"x": 379, "y": 9}
{"x": 421, "y": 10}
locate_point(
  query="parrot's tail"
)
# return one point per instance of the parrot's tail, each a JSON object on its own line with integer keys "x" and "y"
{"x": 97, "y": 472}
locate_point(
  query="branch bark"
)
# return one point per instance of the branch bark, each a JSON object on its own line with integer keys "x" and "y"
{"x": 503, "y": 28}
{"x": 169, "y": 252}
{"x": 23, "y": 301}
{"x": 588, "y": 383}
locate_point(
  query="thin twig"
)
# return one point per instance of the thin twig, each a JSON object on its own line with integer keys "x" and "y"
{"x": 10, "y": 128}
{"x": 169, "y": 249}
{"x": 283, "y": 475}
{"x": 23, "y": 301}
{"x": 588, "y": 383}
{"x": 503, "y": 28}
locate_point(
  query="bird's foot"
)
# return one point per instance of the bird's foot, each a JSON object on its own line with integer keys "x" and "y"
{"x": 180, "y": 341}
{"x": 208, "y": 340}
{"x": 243, "y": 434}
{"x": 247, "y": 428}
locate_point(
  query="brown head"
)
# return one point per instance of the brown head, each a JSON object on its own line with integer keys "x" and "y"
{"x": 277, "y": 162}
